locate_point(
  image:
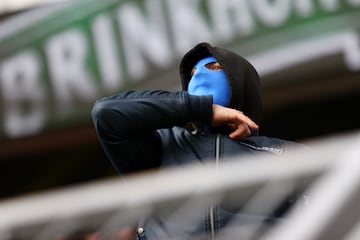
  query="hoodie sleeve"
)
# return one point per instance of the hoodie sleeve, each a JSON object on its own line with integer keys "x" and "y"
{"x": 126, "y": 124}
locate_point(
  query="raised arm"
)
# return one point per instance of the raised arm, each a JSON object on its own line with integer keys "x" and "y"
{"x": 126, "y": 124}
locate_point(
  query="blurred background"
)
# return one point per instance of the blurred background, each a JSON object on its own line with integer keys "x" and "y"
{"x": 58, "y": 57}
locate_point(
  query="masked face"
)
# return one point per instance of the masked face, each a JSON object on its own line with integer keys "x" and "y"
{"x": 208, "y": 78}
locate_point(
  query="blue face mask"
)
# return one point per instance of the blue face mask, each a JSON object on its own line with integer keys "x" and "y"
{"x": 205, "y": 81}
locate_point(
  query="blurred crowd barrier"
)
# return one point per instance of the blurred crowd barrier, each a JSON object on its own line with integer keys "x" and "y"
{"x": 328, "y": 175}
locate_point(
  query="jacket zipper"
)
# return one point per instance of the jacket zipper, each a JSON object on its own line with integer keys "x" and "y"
{"x": 217, "y": 159}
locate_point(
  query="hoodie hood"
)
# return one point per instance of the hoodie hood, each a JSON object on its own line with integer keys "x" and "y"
{"x": 245, "y": 90}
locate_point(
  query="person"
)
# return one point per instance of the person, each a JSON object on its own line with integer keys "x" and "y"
{"x": 215, "y": 116}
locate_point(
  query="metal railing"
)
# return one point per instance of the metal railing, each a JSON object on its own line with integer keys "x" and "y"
{"x": 328, "y": 172}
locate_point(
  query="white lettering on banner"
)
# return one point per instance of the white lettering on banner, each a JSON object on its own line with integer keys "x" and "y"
{"x": 143, "y": 35}
{"x": 66, "y": 53}
{"x": 21, "y": 82}
{"x": 304, "y": 7}
{"x": 330, "y": 5}
{"x": 346, "y": 42}
{"x": 230, "y": 18}
{"x": 272, "y": 13}
{"x": 354, "y": 3}
{"x": 107, "y": 52}
{"x": 187, "y": 24}
{"x": 351, "y": 44}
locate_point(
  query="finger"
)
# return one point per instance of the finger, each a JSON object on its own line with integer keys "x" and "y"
{"x": 243, "y": 118}
{"x": 241, "y": 131}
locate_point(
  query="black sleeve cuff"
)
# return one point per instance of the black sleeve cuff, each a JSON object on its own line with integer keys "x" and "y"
{"x": 200, "y": 108}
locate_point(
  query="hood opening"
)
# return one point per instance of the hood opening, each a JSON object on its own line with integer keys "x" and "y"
{"x": 242, "y": 76}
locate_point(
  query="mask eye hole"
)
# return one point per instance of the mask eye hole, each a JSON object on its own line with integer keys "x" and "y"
{"x": 215, "y": 66}
{"x": 192, "y": 71}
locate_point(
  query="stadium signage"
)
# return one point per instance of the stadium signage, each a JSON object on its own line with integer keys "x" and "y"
{"x": 54, "y": 65}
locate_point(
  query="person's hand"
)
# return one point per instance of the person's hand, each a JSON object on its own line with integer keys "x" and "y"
{"x": 239, "y": 124}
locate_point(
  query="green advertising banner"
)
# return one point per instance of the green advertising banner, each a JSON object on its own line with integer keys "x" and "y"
{"x": 55, "y": 61}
